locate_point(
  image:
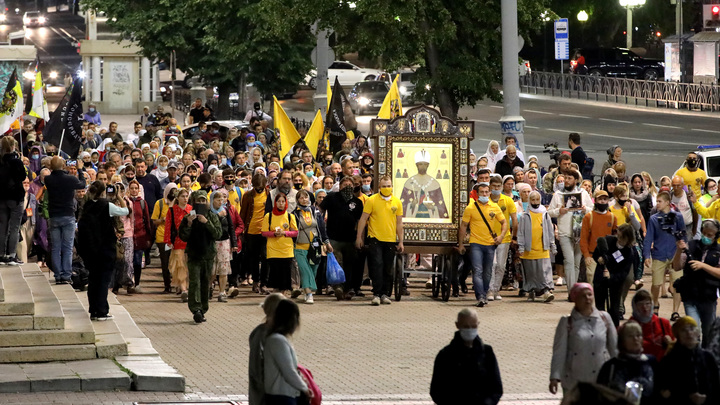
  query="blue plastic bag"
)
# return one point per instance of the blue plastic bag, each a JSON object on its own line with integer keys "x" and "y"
{"x": 335, "y": 274}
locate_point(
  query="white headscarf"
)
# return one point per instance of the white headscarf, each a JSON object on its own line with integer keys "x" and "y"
{"x": 492, "y": 157}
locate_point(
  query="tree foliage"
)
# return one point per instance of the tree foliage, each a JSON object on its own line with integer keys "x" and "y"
{"x": 218, "y": 40}
{"x": 457, "y": 43}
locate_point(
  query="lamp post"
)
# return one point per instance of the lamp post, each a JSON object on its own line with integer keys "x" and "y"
{"x": 629, "y": 5}
{"x": 582, "y": 16}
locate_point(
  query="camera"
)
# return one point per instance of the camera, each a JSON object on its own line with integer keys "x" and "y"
{"x": 552, "y": 150}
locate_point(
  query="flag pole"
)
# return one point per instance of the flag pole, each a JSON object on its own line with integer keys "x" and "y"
{"x": 62, "y": 136}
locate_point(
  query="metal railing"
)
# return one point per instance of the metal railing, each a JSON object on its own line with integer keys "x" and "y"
{"x": 690, "y": 96}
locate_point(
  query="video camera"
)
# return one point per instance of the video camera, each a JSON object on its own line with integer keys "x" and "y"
{"x": 667, "y": 224}
{"x": 552, "y": 150}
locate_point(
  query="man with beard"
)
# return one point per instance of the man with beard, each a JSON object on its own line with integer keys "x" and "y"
{"x": 344, "y": 210}
{"x": 285, "y": 186}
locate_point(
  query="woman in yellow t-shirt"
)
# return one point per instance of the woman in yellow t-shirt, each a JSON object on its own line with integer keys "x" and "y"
{"x": 536, "y": 240}
{"x": 279, "y": 227}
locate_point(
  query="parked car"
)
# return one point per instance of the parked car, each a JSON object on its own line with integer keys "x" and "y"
{"x": 616, "y": 62}
{"x": 368, "y": 95}
{"x": 189, "y": 131}
{"x": 33, "y": 19}
{"x": 347, "y": 74}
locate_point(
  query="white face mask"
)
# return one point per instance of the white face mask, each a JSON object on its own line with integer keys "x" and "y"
{"x": 713, "y": 191}
{"x": 469, "y": 334}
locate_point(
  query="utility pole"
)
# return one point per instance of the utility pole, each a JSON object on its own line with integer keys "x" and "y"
{"x": 511, "y": 123}
{"x": 321, "y": 55}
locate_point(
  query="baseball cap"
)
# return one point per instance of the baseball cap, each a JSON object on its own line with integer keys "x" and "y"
{"x": 172, "y": 165}
{"x": 601, "y": 193}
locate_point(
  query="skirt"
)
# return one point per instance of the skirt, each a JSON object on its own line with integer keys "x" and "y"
{"x": 178, "y": 268}
{"x": 280, "y": 270}
{"x": 221, "y": 267}
{"x": 538, "y": 275}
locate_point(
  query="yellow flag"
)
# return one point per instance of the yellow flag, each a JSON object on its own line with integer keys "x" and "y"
{"x": 315, "y": 133}
{"x": 350, "y": 135}
{"x": 329, "y": 94}
{"x": 288, "y": 134}
{"x": 392, "y": 106}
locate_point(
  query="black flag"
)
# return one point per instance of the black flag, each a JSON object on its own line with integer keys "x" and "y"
{"x": 65, "y": 126}
{"x": 339, "y": 118}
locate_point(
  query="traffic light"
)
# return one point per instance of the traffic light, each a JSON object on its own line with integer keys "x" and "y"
{"x": 711, "y": 17}
{"x": 715, "y": 10}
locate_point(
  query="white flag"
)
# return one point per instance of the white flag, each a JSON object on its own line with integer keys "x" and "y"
{"x": 39, "y": 104}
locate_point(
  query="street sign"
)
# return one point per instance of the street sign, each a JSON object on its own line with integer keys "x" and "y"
{"x": 562, "y": 39}
{"x": 561, "y": 30}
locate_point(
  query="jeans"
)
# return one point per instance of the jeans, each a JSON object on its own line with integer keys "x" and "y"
{"x": 10, "y": 217}
{"x": 381, "y": 260}
{"x": 164, "y": 264}
{"x": 572, "y": 255}
{"x": 347, "y": 256}
{"x": 704, "y": 314}
{"x": 501, "y": 254}
{"x": 481, "y": 259}
{"x": 62, "y": 234}
{"x": 137, "y": 265}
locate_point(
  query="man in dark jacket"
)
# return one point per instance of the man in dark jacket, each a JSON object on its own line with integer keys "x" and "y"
{"x": 12, "y": 195}
{"x": 508, "y": 162}
{"x": 61, "y": 196}
{"x": 466, "y": 371}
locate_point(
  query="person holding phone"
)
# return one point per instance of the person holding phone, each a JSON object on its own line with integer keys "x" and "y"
{"x": 200, "y": 229}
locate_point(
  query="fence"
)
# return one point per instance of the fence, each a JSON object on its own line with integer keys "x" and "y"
{"x": 183, "y": 101}
{"x": 690, "y": 96}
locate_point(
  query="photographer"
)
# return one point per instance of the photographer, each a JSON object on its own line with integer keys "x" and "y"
{"x": 698, "y": 285}
{"x": 664, "y": 229}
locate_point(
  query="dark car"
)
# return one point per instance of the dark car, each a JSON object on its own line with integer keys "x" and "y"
{"x": 368, "y": 95}
{"x": 616, "y": 62}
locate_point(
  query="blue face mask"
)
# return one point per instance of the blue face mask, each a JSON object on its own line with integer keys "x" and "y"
{"x": 495, "y": 193}
{"x": 251, "y": 143}
{"x": 366, "y": 187}
{"x": 706, "y": 241}
{"x": 310, "y": 174}
{"x": 483, "y": 199}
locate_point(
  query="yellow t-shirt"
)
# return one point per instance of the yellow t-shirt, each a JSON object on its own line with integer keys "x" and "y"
{"x": 622, "y": 214}
{"x": 195, "y": 186}
{"x": 382, "y": 224}
{"x": 363, "y": 198}
{"x": 536, "y": 248}
{"x": 259, "y": 200}
{"x": 283, "y": 246}
{"x": 507, "y": 205}
{"x": 234, "y": 198}
{"x": 479, "y": 232}
{"x": 694, "y": 180}
{"x": 156, "y": 214}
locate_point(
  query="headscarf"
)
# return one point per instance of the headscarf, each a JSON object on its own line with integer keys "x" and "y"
{"x": 608, "y": 179}
{"x": 644, "y": 191}
{"x": 577, "y": 289}
{"x": 166, "y": 192}
{"x": 276, "y": 211}
{"x": 492, "y": 157}
{"x": 681, "y": 323}
{"x": 217, "y": 194}
{"x": 103, "y": 144}
{"x": 636, "y": 312}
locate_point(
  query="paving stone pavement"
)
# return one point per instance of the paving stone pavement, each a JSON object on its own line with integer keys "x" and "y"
{"x": 358, "y": 353}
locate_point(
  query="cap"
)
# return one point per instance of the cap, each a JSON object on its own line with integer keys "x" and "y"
{"x": 172, "y": 165}
{"x": 600, "y": 193}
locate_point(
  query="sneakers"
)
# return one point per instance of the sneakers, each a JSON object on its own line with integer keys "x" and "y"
{"x": 234, "y": 291}
{"x": 480, "y": 303}
{"x": 4, "y": 260}
{"x": 491, "y": 297}
{"x": 102, "y": 318}
{"x": 559, "y": 281}
{"x": 638, "y": 284}
{"x": 531, "y": 295}
{"x": 198, "y": 316}
{"x": 497, "y": 296}
{"x": 14, "y": 261}
{"x": 222, "y": 297}
{"x": 131, "y": 290}
{"x": 184, "y": 296}
{"x": 296, "y": 293}
{"x": 429, "y": 284}
{"x": 548, "y": 296}
{"x": 309, "y": 299}
{"x": 385, "y": 300}
{"x": 256, "y": 287}
{"x": 375, "y": 301}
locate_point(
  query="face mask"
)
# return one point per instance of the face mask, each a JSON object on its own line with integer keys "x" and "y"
{"x": 192, "y": 178}
{"x": 129, "y": 179}
{"x": 357, "y": 189}
{"x": 469, "y": 334}
{"x": 622, "y": 202}
{"x": 365, "y": 187}
{"x": 91, "y": 109}
{"x": 495, "y": 193}
{"x": 692, "y": 162}
{"x": 386, "y": 191}
{"x": 328, "y": 162}
{"x": 162, "y": 167}
{"x": 215, "y": 131}
{"x": 356, "y": 172}
{"x": 250, "y": 144}
{"x": 601, "y": 207}
{"x": 483, "y": 199}
{"x": 310, "y": 174}
{"x": 712, "y": 192}
{"x": 347, "y": 192}
{"x": 36, "y": 157}
{"x": 154, "y": 150}
{"x": 560, "y": 185}
{"x": 706, "y": 241}
{"x": 535, "y": 206}
{"x": 87, "y": 164}
{"x": 229, "y": 182}
{"x": 297, "y": 186}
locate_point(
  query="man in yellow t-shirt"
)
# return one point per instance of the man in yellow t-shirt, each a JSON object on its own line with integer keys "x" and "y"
{"x": 509, "y": 211}
{"x": 692, "y": 175}
{"x": 383, "y": 215}
{"x": 487, "y": 230}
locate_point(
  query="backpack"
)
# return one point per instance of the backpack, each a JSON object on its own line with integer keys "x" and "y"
{"x": 587, "y": 172}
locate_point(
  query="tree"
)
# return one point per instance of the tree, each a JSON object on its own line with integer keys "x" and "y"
{"x": 217, "y": 40}
{"x": 457, "y": 42}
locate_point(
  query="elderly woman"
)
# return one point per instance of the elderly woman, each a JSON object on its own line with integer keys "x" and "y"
{"x": 536, "y": 240}
{"x": 584, "y": 341}
{"x": 523, "y": 190}
{"x": 493, "y": 150}
{"x": 657, "y": 332}
{"x": 631, "y": 364}
{"x": 688, "y": 374}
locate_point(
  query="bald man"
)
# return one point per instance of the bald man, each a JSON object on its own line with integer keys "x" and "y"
{"x": 681, "y": 201}
{"x": 61, "y": 199}
{"x": 466, "y": 371}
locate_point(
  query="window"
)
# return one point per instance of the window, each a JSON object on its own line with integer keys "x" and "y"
{"x": 713, "y": 166}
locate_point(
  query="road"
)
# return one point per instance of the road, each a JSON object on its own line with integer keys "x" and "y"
{"x": 654, "y": 140}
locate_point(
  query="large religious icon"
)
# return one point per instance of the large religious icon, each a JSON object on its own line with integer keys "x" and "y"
{"x": 422, "y": 194}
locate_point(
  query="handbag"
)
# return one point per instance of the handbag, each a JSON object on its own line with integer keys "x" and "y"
{"x": 316, "y": 398}
{"x": 119, "y": 250}
{"x": 334, "y": 273}
{"x": 314, "y": 252}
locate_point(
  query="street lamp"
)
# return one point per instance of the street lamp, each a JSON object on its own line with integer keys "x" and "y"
{"x": 582, "y": 16}
{"x": 629, "y": 5}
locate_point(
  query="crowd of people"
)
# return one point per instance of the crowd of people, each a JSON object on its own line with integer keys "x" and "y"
{"x": 225, "y": 214}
